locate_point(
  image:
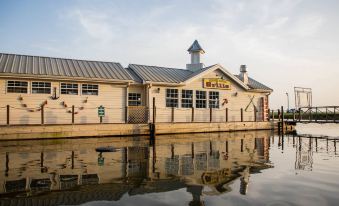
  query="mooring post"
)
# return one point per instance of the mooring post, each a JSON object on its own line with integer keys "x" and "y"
{"x": 255, "y": 114}
{"x": 7, "y": 114}
{"x": 279, "y": 115}
{"x": 154, "y": 110}
{"x": 210, "y": 114}
{"x": 226, "y": 114}
{"x": 241, "y": 115}
{"x": 192, "y": 119}
{"x": 282, "y": 118}
{"x": 72, "y": 114}
{"x": 42, "y": 114}
{"x": 172, "y": 115}
{"x": 126, "y": 114}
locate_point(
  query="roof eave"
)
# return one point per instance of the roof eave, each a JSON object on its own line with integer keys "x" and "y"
{"x": 63, "y": 78}
{"x": 164, "y": 83}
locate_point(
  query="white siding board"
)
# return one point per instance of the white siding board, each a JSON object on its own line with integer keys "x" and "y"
{"x": 110, "y": 96}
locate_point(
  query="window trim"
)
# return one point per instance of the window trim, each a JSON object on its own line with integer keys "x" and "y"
{"x": 82, "y": 90}
{"x": 217, "y": 100}
{"x": 138, "y": 94}
{"x": 185, "y": 98}
{"x": 27, "y": 87}
{"x": 66, "y": 88}
{"x": 172, "y": 98}
{"x": 50, "y": 88}
{"x": 197, "y": 98}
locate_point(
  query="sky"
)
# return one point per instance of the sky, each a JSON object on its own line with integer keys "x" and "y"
{"x": 284, "y": 43}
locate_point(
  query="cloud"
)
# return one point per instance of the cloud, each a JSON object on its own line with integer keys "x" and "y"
{"x": 275, "y": 38}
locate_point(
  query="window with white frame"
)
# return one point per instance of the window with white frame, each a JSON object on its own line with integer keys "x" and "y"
{"x": 134, "y": 99}
{"x": 200, "y": 101}
{"x": 90, "y": 89}
{"x": 171, "y": 98}
{"x": 213, "y": 99}
{"x": 41, "y": 88}
{"x": 187, "y": 98}
{"x": 69, "y": 88}
{"x": 17, "y": 87}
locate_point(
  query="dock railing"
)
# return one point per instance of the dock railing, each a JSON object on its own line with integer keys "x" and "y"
{"x": 47, "y": 115}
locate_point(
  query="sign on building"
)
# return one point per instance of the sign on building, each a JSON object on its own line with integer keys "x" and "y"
{"x": 101, "y": 111}
{"x": 214, "y": 83}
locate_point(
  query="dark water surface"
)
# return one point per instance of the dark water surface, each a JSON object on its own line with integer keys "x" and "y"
{"x": 241, "y": 168}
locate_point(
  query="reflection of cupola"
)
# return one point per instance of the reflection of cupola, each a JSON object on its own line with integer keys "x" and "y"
{"x": 195, "y": 50}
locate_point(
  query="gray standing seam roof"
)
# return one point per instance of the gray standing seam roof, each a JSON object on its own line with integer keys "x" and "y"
{"x": 49, "y": 66}
{"x": 173, "y": 75}
{"x": 253, "y": 84}
{"x": 160, "y": 74}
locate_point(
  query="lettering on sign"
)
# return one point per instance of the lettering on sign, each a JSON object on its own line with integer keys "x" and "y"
{"x": 217, "y": 84}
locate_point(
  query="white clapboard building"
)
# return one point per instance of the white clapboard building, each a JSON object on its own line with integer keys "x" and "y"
{"x": 36, "y": 89}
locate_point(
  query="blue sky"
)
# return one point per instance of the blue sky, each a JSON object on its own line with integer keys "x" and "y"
{"x": 284, "y": 43}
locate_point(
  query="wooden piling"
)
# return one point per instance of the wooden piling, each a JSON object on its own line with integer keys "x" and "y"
{"x": 172, "y": 114}
{"x": 72, "y": 114}
{"x": 8, "y": 112}
{"x": 154, "y": 111}
{"x": 241, "y": 114}
{"x": 42, "y": 114}
{"x": 210, "y": 114}
{"x": 126, "y": 114}
{"x": 282, "y": 119}
{"x": 255, "y": 114}
{"x": 226, "y": 114}
{"x": 192, "y": 119}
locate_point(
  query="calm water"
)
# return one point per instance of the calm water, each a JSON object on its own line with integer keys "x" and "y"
{"x": 242, "y": 168}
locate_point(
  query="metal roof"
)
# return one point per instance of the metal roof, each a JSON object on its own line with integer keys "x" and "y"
{"x": 253, "y": 84}
{"x": 195, "y": 47}
{"x": 160, "y": 74}
{"x": 52, "y": 67}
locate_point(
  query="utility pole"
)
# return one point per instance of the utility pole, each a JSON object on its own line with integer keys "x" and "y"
{"x": 288, "y": 102}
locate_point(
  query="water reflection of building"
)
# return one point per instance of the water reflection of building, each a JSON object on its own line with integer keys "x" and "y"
{"x": 212, "y": 160}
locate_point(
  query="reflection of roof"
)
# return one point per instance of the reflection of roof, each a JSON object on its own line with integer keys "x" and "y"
{"x": 84, "y": 194}
{"x": 58, "y": 67}
{"x": 158, "y": 186}
{"x": 253, "y": 84}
